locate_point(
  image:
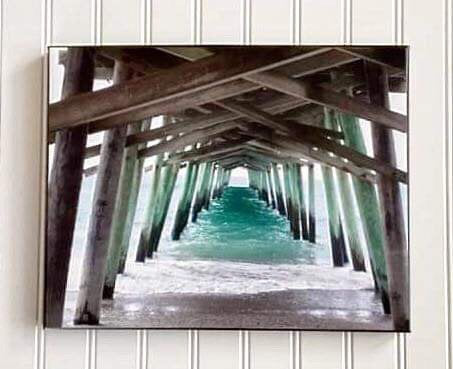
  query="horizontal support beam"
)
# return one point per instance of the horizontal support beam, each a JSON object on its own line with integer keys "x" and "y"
{"x": 330, "y": 99}
{"x": 187, "y": 78}
{"x": 180, "y": 142}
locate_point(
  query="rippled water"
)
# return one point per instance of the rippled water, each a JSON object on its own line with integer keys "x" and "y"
{"x": 239, "y": 246}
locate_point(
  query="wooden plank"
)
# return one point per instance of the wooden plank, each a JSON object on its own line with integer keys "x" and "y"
{"x": 121, "y": 23}
{"x": 221, "y": 21}
{"x": 64, "y": 188}
{"x": 171, "y": 22}
{"x": 269, "y": 350}
{"x": 374, "y": 351}
{"x": 365, "y": 28}
{"x": 331, "y": 99}
{"x": 116, "y": 349}
{"x": 168, "y": 349}
{"x": 322, "y": 350}
{"x": 148, "y": 90}
{"x": 429, "y": 343}
{"x": 64, "y": 348}
{"x": 327, "y": 10}
{"x": 72, "y": 22}
{"x": 270, "y": 24}
{"x": 218, "y": 344}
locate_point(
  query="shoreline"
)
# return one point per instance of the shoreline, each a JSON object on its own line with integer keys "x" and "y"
{"x": 309, "y": 309}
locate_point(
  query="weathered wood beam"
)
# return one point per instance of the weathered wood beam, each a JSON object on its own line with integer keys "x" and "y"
{"x": 185, "y": 201}
{"x": 278, "y": 190}
{"x": 209, "y": 150}
{"x": 166, "y": 188}
{"x": 347, "y": 204}
{"x": 317, "y": 140}
{"x": 391, "y": 58}
{"x": 190, "y": 53}
{"x": 64, "y": 189}
{"x": 89, "y": 297}
{"x": 396, "y": 252}
{"x": 189, "y": 138}
{"x": 299, "y": 149}
{"x": 368, "y": 204}
{"x": 185, "y": 79}
{"x": 133, "y": 202}
{"x": 330, "y": 99}
{"x": 288, "y": 127}
{"x": 311, "y": 204}
{"x": 330, "y": 59}
{"x": 150, "y": 206}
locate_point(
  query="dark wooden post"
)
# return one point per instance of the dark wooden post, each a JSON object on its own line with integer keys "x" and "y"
{"x": 278, "y": 190}
{"x": 95, "y": 260}
{"x": 120, "y": 213}
{"x": 145, "y": 233}
{"x": 303, "y": 208}
{"x": 271, "y": 188}
{"x": 207, "y": 195}
{"x": 64, "y": 187}
{"x": 162, "y": 205}
{"x": 132, "y": 206}
{"x": 396, "y": 253}
{"x": 199, "y": 199}
{"x": 351, "y": 222}
{"x": 368, "y": 205}
{"x": 185, "y": 202}
{"x": 311, "y": 204}
{"x": 263, "y": 187}
{"x": 286, "y": 184}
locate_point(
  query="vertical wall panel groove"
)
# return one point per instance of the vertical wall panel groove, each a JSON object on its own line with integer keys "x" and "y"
{"x": 448, "y": 78}
{"x": 21, "y": 85}
{"x": 427, "y": 344}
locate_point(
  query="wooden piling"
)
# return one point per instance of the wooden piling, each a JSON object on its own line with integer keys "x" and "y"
{"x": 95, "y": 260}
{"x": 264, "y": 188}
{"x": 132, "y": 206}
{"x": 278, "y": 190}
{"x": 200, "y": 196}
{"x": 396, "y": 253}
{"x": 368, "y": 205}
{"x": 163, "y": 203}
{"x": 120, "y": 214}
{"x": 311, "y": 204}
{"x": 64, "y": 188}
{"x": 145, "y": 233}
{"x": 185, "y": 202}
{"x": 295, "y": 200}
{"x": 208, "y": 193}
{"x": 303, "y": 208}
{"x": 347, "y": 203}
{"x": 286, "y": 184}
{"x": 271, "y": 188}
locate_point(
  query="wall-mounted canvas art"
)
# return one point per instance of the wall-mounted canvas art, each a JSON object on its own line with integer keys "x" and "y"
{"x": 257, "y": 187}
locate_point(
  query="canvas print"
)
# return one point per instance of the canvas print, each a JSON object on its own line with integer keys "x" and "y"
{"x": 228, "y": 187}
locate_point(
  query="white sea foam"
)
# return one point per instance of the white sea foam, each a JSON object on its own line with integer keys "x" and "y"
{"x": 200, "y": 276}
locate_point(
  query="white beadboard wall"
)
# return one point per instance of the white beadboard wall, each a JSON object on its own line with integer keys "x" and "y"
{"x": 28, "y": 27}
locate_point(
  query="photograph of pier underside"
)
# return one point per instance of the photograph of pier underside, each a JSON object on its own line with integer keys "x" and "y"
{"x": 309, "y": 130}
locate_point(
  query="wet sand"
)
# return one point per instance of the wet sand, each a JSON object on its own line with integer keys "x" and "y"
{"x": 310, "y": 309}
